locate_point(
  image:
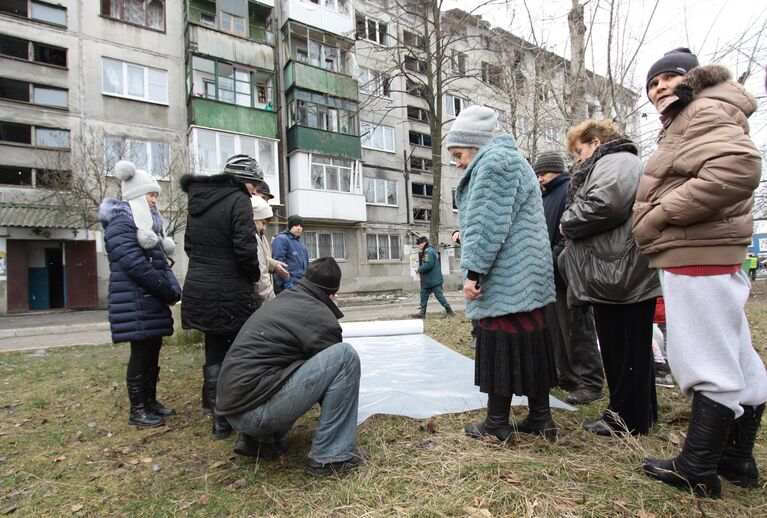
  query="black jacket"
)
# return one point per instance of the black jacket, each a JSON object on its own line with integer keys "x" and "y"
{"x": 554, "y": 195}
{"x": 220, "y": 240}
{"x": 274, "y": 342}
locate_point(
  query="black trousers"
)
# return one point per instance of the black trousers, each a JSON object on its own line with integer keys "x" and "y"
{"x": 216, "y": 347}
{"x": 144, "y": 356}
{"x": 625, "y": 339}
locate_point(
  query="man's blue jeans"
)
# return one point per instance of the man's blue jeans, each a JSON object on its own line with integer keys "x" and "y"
{"x": 330, "y": 378}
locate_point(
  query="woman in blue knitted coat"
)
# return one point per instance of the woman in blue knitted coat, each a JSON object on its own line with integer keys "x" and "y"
{"x": 141, "y": 287}
{"x": 507, "y": 261}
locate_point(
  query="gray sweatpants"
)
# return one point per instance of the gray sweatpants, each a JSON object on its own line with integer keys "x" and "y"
{"x": 709, "y": 343}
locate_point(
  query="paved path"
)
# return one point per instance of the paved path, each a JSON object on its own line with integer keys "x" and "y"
{"x": 40, "y": 330}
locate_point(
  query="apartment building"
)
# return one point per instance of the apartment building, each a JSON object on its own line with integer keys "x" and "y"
{"x": 332, "y": 97}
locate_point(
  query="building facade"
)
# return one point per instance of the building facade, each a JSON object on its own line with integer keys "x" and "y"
{"x": 334, "y": 98}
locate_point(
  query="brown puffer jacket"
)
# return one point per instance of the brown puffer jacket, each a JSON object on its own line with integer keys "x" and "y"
{"x": 693, "y": 205}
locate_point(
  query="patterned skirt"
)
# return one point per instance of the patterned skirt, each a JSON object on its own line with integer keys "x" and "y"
{"x": 515, "y": 355}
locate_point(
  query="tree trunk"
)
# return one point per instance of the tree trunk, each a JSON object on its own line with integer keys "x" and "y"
{"x": 577, "y": 96}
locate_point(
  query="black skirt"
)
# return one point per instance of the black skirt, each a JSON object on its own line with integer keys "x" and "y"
{"x": 515, "y": 355}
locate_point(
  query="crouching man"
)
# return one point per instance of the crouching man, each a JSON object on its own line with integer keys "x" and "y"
{"x": 287, "y": 357}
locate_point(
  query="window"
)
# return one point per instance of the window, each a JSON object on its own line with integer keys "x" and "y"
{"x": 454, "y": 105}
{"x": 501, "y": 120}
{"x": 146, "y": 13}
{"x": 455, "y": 202}
{"x": 53, "y": 179}
{"x": 49, "y": 96}
{"x": 325, "y": 244}
{"x": 383, "y": 247}
{"x": 491, "y": 74}
{"x": 421, "y": 165}
{"x": 233, "y": 23}
{"x": 16, "y": 133}
{"x": 421, "y": 214}
{"x": 380, "y": 192}
{"x": 421, "y": 189}
{"x": 213, "y": 148}
{"x": 48, "y": 13}
{"x": 153, "y": 157}
{"x": 316, "y": 48}
{"x": 523, "y": 124}
{"x": 49, "y": 137}
{"x": 331, "y": 174}
{"x": 373, "y": 82}
{"x": 377, "y": 136}
{"x": 419, "y": 139}
{"x": 415, "y": 65}
{"x": 417, "y": 114}
{"x": 417, "y": 89}
{"x": 411, "y": 39}
{"x": 371, "y": 30}
{"x": 459, "y": 63}
{"x": 134, "y": 81}
{"x": 323, "y": 112}
{"x": 339, "y": 6}
{"x": 221, "y": 81}
{"x": 40, "y": 136}
{"x": 13, "y": 175}
{"x": 32, "y": 51}
{"x": 14, "y": 90}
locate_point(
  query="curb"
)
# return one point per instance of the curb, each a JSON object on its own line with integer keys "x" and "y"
{"x": 53, "y": 330}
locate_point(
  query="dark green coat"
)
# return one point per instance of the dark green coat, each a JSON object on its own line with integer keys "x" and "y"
{"x": 429, "y": 268}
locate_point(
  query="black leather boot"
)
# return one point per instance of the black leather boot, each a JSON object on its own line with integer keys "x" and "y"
{"x": 154, "y": 406}
{"x": 421, "y": 313}
{"x": 696, "y": 467}
{"x": 737, "y": 463}
{"x": 538, "y": 420}
{"x": 497, "y": 421}
{"x": 221, "y": 427}
{"x": 137, "y": 394}
{"x": 252, "y": 447}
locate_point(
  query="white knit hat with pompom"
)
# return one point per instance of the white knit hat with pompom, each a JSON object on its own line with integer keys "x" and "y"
{"x": 136, "y": 184}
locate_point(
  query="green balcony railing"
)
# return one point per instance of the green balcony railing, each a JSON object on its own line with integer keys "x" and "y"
{"x": 325, "y": 142}
{"x": 230, "y": 117}
{"x": 316, "y": 79}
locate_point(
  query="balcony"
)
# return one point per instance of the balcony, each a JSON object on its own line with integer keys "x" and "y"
{"x": 304, "y": 76}
{"x": 333, "y": 16}
{"x": 211, "y": 42}
{"x": 327, "y": 205}
{"x": 231, "y": 117}
{"x": 324, "y": 142}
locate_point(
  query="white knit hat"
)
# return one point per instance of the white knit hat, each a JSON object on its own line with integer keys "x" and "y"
{"x": 473, "y": 127}
{"x": 261, "y": 209}
{"x": 136, "y": 184}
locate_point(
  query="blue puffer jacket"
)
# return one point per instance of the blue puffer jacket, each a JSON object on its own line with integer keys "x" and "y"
{"x": 141, "y": 284}
{"x": 503, "y": 232}
{"x": 290, "y": 250}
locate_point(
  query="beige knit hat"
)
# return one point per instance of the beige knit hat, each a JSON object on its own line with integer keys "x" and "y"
{"x": 261, "y": 209}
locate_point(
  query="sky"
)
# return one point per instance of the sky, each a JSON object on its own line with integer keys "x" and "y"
{"x": 719, "y": 31}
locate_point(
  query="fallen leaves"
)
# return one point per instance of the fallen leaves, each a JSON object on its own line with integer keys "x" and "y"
{"x": 510, "y": 478}
{"x": 76, "y": 508}
{"x": 475, "y": 512}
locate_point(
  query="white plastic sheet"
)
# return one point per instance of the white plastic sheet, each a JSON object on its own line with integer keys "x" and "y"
{"x": 413, "y": 375}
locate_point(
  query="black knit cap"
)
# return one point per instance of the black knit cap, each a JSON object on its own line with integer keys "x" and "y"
{"x": 680, "y": 61}
{"x": 422, "y": 239}
{"x": 263, "y": 188}
{"x": 325, "y": 274}
{"x": 549, "y": 162}
{"x": 294, "y": 220}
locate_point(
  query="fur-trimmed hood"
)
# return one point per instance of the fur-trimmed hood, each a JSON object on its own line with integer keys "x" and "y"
{"x": 111, "y": 208}
{"x": 714, "y": 82}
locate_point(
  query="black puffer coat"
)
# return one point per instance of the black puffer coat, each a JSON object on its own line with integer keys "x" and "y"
{"x": 274, "y": 343}
{"x": 220, "y": 240}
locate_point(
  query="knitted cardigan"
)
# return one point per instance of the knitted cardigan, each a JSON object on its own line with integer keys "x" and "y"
{"x": 503, "y": 232}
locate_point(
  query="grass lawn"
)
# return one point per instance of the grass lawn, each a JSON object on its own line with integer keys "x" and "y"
{"x": 66, "y": 449}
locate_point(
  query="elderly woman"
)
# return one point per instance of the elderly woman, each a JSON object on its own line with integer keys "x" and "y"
{"x": 604, "y": 268}
{"x": 509, "y": 278}
{"x": 141, "y": 286}
{"x": 264, "y": 287}
{"x": 692, "y": 218}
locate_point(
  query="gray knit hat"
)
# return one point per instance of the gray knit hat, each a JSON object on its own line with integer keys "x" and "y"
{"x": 473, "y": 127}
{"x": 549, "y": 162}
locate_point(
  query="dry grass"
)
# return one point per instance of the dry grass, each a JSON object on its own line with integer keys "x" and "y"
{"x": 65, "y": 448}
